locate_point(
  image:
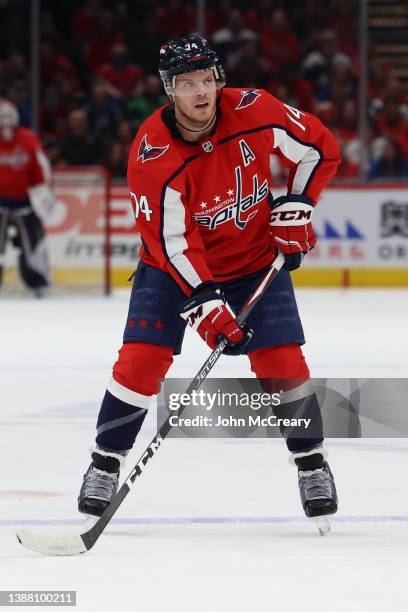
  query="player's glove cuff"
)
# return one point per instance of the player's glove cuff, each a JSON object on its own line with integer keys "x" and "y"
{"x": 293, "y": 261}
{"x": 291, "y": 210}
{"x": 291, "y": 228}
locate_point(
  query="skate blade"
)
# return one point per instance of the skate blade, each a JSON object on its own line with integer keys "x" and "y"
{"x": 322, "y": 524}
{"x": 90, "y": 520}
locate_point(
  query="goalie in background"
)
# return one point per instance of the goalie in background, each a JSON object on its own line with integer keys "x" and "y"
{"x": 26, "y": 199}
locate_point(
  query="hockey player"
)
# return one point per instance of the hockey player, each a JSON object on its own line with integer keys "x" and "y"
{"x": 199, "y": 179}
{"x": 25, "y": 197}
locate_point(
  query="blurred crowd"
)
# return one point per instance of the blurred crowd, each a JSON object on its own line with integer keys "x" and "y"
{"x": 99, "y": 72}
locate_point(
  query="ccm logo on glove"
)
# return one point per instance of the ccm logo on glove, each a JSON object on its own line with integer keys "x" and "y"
{"x": 294, "y": 217}
{"x": 208, "y": 313}
{"x": 291, "y": 228}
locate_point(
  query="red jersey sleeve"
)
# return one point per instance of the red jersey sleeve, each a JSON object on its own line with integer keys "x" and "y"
{"x": 306, "y": 146}
{"x": 159, "y": 196}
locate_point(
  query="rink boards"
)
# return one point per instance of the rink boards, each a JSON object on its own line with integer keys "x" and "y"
{"x": 362, "y": 238}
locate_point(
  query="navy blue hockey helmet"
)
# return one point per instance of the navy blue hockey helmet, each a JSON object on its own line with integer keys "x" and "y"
{"x": 189, "y": 54}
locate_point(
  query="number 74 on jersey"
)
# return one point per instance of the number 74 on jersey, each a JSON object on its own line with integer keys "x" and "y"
{"x": 141, "y": 206}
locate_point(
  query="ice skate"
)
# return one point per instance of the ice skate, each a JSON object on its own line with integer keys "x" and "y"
{"x": 316, "y": 486}
{"x": 100, "y": 482}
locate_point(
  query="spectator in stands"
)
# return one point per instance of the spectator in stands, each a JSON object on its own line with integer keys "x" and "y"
{"x": 176, "y": 19}
{"x": 17, "y": 70}
{"x": 298, "y": 92}
{"x": 326, "y": 113}
{"x": 79, "y": 148}
{"x": 339, "y": 85}
{"x": 394, "y": 89}
{"x": 278, "y": 43}
{"x": 143, "y": 48}
{"x": 375, "y": 142}
{"x": 259, "y": 43}
{"x": 103, "y": 114}
{"x": 218, "y": 17}
{"x": 18, "y": 95}
{"x": 229, "y": 39}
{"x": 247, "y": 66}
{"x": 258, "y": 15}
{"x": 350, "y": 143}
{"x": 103, "y": 40}
{"x": 116, "y": 160}
{"x": 140, "y": 107}
{"x": 391, "y": 123}
{"x": 55, "y": 67}
{"x": 123, "y": 76}
{"x": 53, "y": 114}
{"x": 318, "y": 62}
{"x": 86, "y": 19}
{"x": 52, "y": 149}
{"x": 379, "y": 74}
{"x": 390, "y": 164}
{"x": 50, "y": 32}
{"x": 125, "y": 135}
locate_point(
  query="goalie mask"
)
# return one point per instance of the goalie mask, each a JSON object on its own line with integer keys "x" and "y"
{"x": 189, "y": 54}
{"x": 8, "y": 119}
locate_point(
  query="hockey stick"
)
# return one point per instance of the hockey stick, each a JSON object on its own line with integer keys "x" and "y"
{"x": 76, "y": 544}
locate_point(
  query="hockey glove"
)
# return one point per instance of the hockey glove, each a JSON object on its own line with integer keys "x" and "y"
{"x": 291, "y": 229}
{"x": 42, "y": 200}
{"x": 207, "y": 312}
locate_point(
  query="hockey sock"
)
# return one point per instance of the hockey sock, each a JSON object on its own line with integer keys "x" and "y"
{"x": 136, "y": 379}
{"x": 283, "y": 368}
{"x": 118, "y": 423}
{"x": 299, "y": 437}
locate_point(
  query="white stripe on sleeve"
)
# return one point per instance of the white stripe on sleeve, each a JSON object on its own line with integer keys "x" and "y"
{"x": 305, "y": 156}
{"x": 174, "y": 228}
{"x": 45, "y": 165}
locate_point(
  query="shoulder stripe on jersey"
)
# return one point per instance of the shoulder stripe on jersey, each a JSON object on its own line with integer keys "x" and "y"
{"x": 296, "y": 151}
{"x": 243, "y": 132}
{"x": 162, "y": 204}
{"x": 303, "y": 175}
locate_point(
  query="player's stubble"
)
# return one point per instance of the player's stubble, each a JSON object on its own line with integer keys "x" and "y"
{"x": 196, "y": 111}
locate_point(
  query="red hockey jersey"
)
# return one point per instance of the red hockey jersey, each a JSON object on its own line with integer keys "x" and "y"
{"x": 203, "y": 209}
{"x": 22, "y": 164}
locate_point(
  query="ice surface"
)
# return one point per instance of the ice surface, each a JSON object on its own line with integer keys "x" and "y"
{"x": 212, "y": 525}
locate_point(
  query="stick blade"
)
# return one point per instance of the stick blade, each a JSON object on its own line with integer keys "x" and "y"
{"x": 51, "y": 545}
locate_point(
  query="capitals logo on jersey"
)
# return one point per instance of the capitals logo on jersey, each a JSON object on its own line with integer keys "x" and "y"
{"x": 147, "y": 152}
{"x": 248, "y": 98}
{"x": 236, "y": 207}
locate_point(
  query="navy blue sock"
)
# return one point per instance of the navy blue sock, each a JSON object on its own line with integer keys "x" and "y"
{"x": 118, "y": 424}
{"x": 299, "y": 439}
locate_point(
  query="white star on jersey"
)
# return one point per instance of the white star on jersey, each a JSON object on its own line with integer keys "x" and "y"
{"x": 203, "y": 204}
{"x": 217, "y": 199}
{"x": 230, "y": 192}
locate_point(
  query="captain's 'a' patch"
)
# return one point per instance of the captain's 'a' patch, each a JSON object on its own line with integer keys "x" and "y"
{"x": 247, "y": 154}
{"x": 248, "y": 98}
